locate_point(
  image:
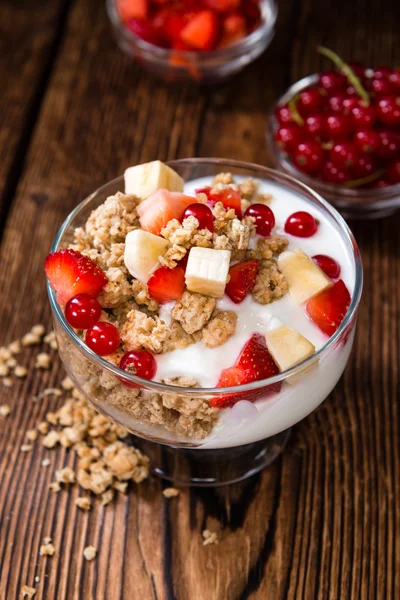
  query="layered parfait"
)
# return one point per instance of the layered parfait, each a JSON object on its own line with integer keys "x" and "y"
{"x": 211, "y": 283}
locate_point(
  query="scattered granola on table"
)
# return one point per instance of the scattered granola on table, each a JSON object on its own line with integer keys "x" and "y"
{"x": 210, "y": 537}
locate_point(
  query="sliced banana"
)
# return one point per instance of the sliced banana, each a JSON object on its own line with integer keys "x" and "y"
{"x": 287, "y": 346}
{"x": 142, "y": 250}
{"x": 144, "y": 180}
{"x": 304, "y": 277}
{"x": 207, "y": 271}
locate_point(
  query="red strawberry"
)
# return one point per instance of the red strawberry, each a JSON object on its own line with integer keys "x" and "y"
{"x": 222, "y": 5}
{"x": 328, "y": 308}
{"x": 132, "y": 9}
{"x": 70, "y": 273}
{"x": 229, "y": 197}
{"x": 242, "y": 280}
{"x": 166, "y": 284}
{"x": 201, "y": 30}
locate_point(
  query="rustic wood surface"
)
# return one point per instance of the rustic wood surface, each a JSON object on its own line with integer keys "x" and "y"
{"x": 323, "y": 521}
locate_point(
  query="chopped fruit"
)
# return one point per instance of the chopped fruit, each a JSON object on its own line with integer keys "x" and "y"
{"x": 287, "y": 346}
{"x": 70, "y": 273}
{"x": 144, "y": 180}
{"x": 242, "y": 280}
{"x": 233, "y": 30}
{"x": 207, "y": 271}
{"x": 132, "y": 9}
{"x": 167, "y": 284}
{"x": 229, "y": 378}
{"x": 162, "y": 206}
{"x": 328, "y": 308}
{"x": 229, "y": 197}
{"x": 222, "y": 5}
{"x": 140, "y": 363}
{"x": 301, "y": 224}
{"x": 264, "y": 218}
{"x": 304, "y": 277}
{"x": 201, "y": 30}
{"x": 103, "y": 338}
{"x": 142, "y": 251}
{"x": 202, "y": 213}
{"x": 328, "y": 265}
{"x": 145, "y": 30}
{"x": 82, "y": 311}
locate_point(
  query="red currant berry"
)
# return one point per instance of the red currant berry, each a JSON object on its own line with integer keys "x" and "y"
{"x": 288, "y": 136}
{"x": 314, "y": 125}
{"x": 202, "y": 213}
{"x": 82, "y": 311}
{"x": 381, "y": 87}
{"x": 310, "y": 101}
{"x": 393, "y": 172}
{"x": 138, "y": 362}
{"x": 389, "y": 145}
{"x": 283, "y": 115}
{"x": 349, "y": 103}
{"x": 301, "y": 224}
{"x": 338, "y": 127}
{"x": 331, "y": 173}
{"x": 388, "y": 110}
{"x": 332, "y": 81}
{"x": 363, "y": 117}
{"x": 394, "y": 79}
{"x": 382, "y": 182}
{"x": 366, "y": 140}
{"x": 363, "y": 166}
{"x": 335, "y": 102}
{"x": 328, "y": 265}
{"x": 308, "y": 156}
{"x": 264, "y": 217}
{"x": 103, "y": 338}
{"x": 351, "y": 91}
{"x": 343, "y": 154}
{"x": 382, "y": 72}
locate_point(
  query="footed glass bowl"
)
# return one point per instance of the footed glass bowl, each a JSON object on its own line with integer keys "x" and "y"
{"x": 241, "y": 440}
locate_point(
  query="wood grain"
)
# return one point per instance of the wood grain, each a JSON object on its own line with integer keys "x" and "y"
{"x": 320, "y": 523}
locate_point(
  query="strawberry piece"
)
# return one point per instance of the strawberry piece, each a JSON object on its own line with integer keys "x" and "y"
{"x": 70, "y": 273}
{"x": 229, "y": 197}
{"x": 146, "y": 31}
{"x": 242, "y": 280}
{"x": 201, "y": 30}
{"x": 166, "y": 284}
{"x": 328, "y": 308}
{"x": 160, "y": 208}
{"x": 132, "y": 9}
{"x": 233, "y": 30}
{"x": 222, "y": 5}
{"x": 171, "y": 23}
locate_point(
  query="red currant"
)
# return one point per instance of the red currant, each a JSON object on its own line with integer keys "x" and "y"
{"x": 82, "y": 311}
{"x": 314, "y": 125}
{"x": 394, "y": 79}
{"x": 140, "y": 363}
{"x": 335, "y": 102}
{"x": 264, "y": 217}
{"x": 328, "y": 265}
{"x": 332, "y": 81}
{"x": 381, "y": 87}
{"x": 331, "y": 173}
{"x": 301, "y": 224}
{"x": 389, "y": 145}
{"x": 363, "y": 117}
{"x": 388, "y": 110}
{"x": 308, "y": 156}
{"x": 343, "y": 154}
{"x": 288, "y": 136}
{"x": 338, "y": 127}
{"x": 349, "y": 103}
{"x": 393, "y": 172}
{"x": 382, "y": 72}
{"x": 283, "y": 115}
{"x": 351, "y": 91}
{"x": 363, "y": 166}
{"x": 309, "y": 101}
{"x": 202, "y": 213}
{"x": 103, "y": 338}
{"x": 366, "y": 140}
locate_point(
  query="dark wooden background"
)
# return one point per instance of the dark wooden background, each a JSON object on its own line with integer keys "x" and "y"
{"x": 323, "y": 522}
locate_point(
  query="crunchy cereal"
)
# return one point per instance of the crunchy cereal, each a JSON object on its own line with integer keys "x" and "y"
{"x": 4, "y": 370}
{"x": 83, "y": 503}
{"x": 141, "y": 296}
{"x": 7, "y": 382}
{"x": 210, "y": 537}
{"x": 43, "y": 361}
{"x": 269, "y": 247}
{"x": 90, "y": 553}
{"x": 20, "y": 371}
{"x": 65, "y": 475}
{"x": 219, "y": 329}
{"x": 47, "y": 549}
{"x": 142, "y": 331}
{"x": 15, "y": 347}
{"x": 170, "y": 492}
{"x": 5, "y": 410}
{"x": 224, "y": 178}
{"x": 26, "y": 448}
{"x": 193, "y": 311}
{"x": 270, "y": 283}
{"x": 28, "y": 591}
{"x": 32, "y": 435}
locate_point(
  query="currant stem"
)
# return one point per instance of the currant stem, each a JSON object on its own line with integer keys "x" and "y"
{"x": 363, "y": 181}
{"x": 347, "y": 70}
{"x": 297, "y": 118}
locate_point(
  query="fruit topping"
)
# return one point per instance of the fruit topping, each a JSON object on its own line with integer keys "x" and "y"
{"x": 229, "y": 197}
{"x": 140, "y": 363}
{"x": 328, "y": 308}
{"x": 166, "y": 285}
{"x": 242, "y": 279}
{"x": 301, "y": 224}
{"x": 304, "y": 277}
{"x": 82, "y": 311}
{"x": 201, "y": 30}
{"x": 70, "y": 273}
{"x": 144, "y": 180}
{"x": 160, "y": 208}
{"x": 264, "y": 218}
{"x": 287, "y": 346}
{"x": 103, "y": 338}
{"x": 207, "y": 271}
{"x": 133, "y": 9}
{"x": 142, "y": 251}
{"x": 328, "y": 265}
{"x": 202, "y": 213}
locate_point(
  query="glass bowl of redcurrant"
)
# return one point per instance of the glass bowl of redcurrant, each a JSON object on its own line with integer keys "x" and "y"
{"x": 339, "y": 132}
{"x": 204, "y": 41}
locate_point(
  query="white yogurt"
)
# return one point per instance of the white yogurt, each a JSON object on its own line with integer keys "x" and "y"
{"x": 246, "y": 423}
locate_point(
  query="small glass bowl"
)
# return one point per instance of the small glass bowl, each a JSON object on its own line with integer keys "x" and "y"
{"x": 201, "y": 67}
{"x": 139, "y": 407}
{"x": 352, "y": 203}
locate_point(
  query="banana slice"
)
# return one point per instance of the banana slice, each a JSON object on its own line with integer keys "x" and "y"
{"x": 287, "y": 346}
{"x": 142, "y": 250}
{"x": 144, "y": 180}
{"x": 207, "y": 271}
{"x": 304, "y": 277}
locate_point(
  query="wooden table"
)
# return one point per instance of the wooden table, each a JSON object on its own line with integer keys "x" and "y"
{"x": 323, "y": 521}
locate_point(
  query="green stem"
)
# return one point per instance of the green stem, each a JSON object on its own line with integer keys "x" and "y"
{"x": 359, "y": 182}
{"x": 296, "y": 116}
{"x": 348, "y": 71}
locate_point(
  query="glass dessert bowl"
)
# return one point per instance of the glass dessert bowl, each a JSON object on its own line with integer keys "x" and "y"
{"x": 187, "y": 431}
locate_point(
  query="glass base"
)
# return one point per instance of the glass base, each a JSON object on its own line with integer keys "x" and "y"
{"x": 210, "y": 468}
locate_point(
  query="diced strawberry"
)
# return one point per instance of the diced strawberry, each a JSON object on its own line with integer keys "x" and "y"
{"x": 229, "y": 197}
{"x": 233, "y": 30}
{"x": 166, "y": 284}
{"x": 242, "y": 280}
{"x": 222, "y": 5}
{"x": 171, "y": 24}
{"x": 201, "y": 30}
{"x": 160, "y": 208}
{"x": 146, "y": 31}
{"x": 70, "y": 273}
{"x": 132, "y": 9}
{"x": 328, "y": 308}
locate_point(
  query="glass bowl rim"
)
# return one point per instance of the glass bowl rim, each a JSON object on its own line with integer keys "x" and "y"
{"x": 165, "y": 388}
{"x": 250, "y": 40}
{"x": 377, "y": 196}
